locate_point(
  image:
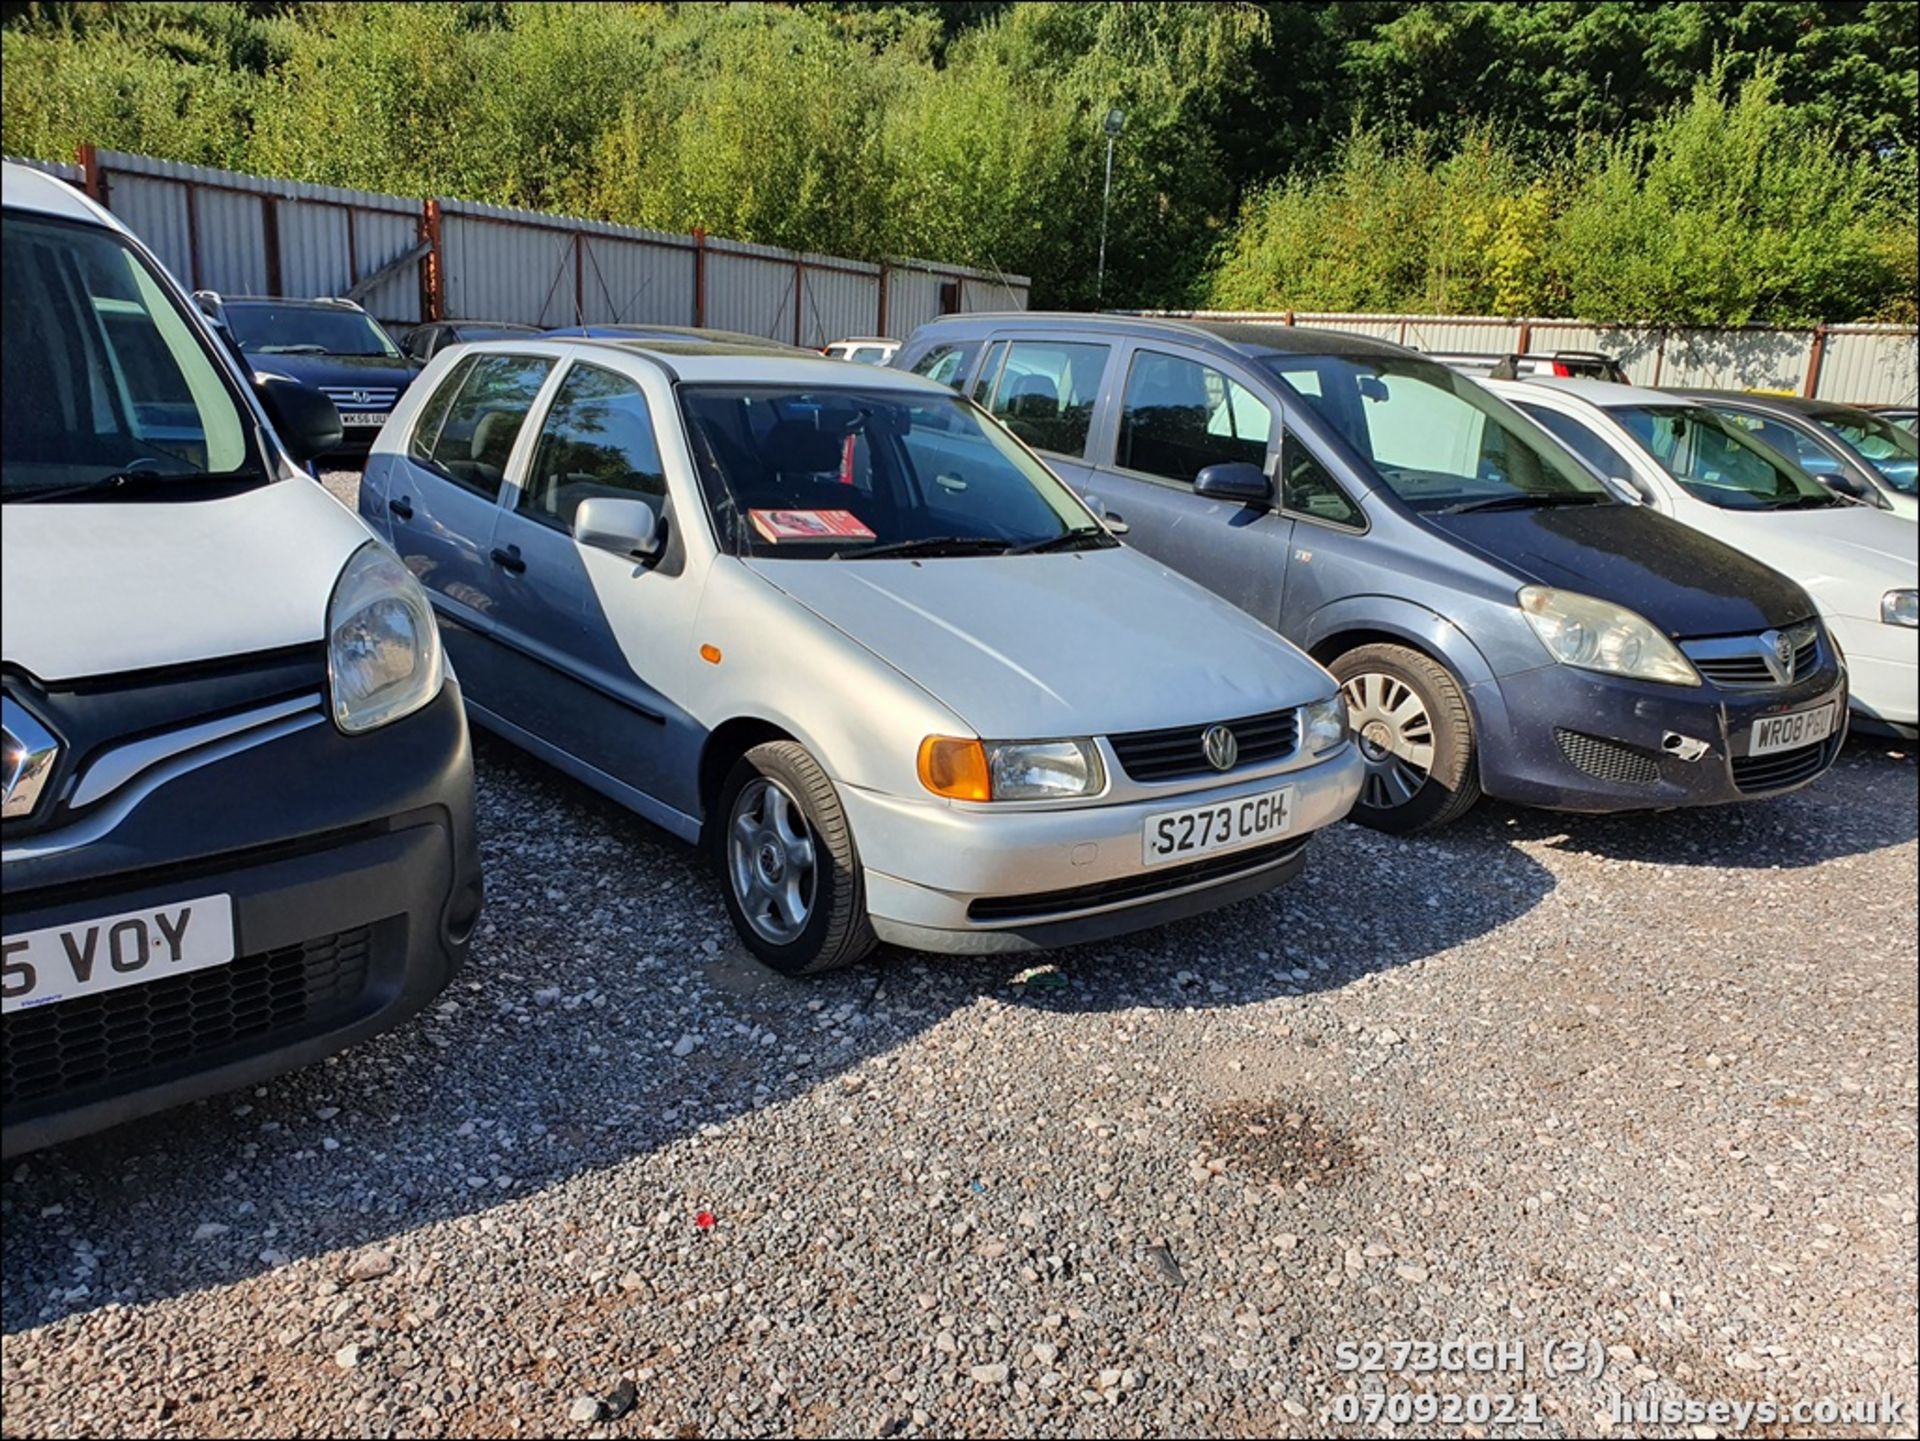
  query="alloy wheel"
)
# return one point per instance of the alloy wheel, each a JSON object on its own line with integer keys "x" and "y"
{"x": 770, "y": 861}
{"x": 1395, "y": 736}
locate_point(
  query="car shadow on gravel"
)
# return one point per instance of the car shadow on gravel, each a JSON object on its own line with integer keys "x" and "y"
{"x": 608, "y": 1012}
{"x": 1866, "y": 803}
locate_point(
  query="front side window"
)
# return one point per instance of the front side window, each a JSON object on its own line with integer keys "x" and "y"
{"x": 597, "y": 440}
{"x": 947, "y": 364}
{"x": 1180, "y": 416}
{"x": 849, "y": 474}
{"x": 307, "y": 330}
{"x": 1891, "y": 451}
{"x": 1044, "y": 393}
{"x": 474, "y": 437}
{"x": 1436, "y": 439}
{"x": 105, "y": 375}
{"x": 1718, "y": 463}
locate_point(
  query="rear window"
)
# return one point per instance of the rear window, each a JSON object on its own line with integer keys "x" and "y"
{"x": 105, "y": 375}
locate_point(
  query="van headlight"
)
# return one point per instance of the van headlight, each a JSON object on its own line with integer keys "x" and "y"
{"x": 1901, "y": 607}
{"x": 1581, "y": 630}
{"x": 383, "y": 649}
{"x": 972, "y": 770}
{"x": 1323, "y": 724}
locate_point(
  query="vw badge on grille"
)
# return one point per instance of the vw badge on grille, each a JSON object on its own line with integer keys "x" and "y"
{"x": 1222, "y": 747}
{"x": 1779, "y": 656}
{"x": 30, "y": 753}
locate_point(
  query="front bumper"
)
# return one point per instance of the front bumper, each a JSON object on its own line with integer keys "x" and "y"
{"x": 972, "y": 880}
{"x": 354, "y": 871}
{"x": 1572, "y": 740}
{"x": 1883, "y": 671}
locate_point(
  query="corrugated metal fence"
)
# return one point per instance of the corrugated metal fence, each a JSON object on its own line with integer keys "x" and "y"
{"x": 410, "y": 260}
{"x": 1857, "y": 364}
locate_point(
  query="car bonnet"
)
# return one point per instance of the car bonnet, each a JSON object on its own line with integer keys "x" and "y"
{"x": 1038, "y": 646}
{"x": 101, "y": 589}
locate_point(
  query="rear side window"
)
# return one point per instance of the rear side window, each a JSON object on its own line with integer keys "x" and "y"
{"x": 1181, "y": 416}
{"x": 597, "y": 440}
{"x": 947, "y": 364}
{"x": 477, "y": 428}
{"x": 1045, "y": 390}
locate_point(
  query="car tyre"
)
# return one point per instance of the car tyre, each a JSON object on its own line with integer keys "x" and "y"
{"x": 1415, "y": 733}
{"x": 787, "y": 862}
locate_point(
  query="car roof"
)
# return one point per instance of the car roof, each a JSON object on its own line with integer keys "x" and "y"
{"x": 24, "y": 188}
{"x": 1239, "y": 337}
{"x": 864, "y": 340}
{"x": 707, "y": 363}
{"x": 309, "y": 302}
{"x": 638, "y": 330}
{"x": 1763, "y": 400}
{"x": 1603, "y": 393}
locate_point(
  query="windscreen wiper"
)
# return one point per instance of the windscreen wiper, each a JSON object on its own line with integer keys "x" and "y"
{"x": 1526, "y": 502}
{"x": 1074, "y": 539}
{"x": 927, "y": 545}
{"x": 125, "y": 479}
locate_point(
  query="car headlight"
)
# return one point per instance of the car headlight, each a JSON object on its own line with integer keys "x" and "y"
{"x": 1323, "y": 724}
{"x": 974, "y": 770}
{"x": 1901, "y": 607}
{"x": 383, "y": 649}
{"x": 1581, "y": 630}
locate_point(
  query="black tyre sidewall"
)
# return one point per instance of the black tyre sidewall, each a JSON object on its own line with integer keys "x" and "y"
{"x": 1452, "y": 785}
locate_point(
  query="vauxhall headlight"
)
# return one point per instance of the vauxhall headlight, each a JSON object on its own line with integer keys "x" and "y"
{"x": 383, "y": 648}
{"x": 1323, "y": 724}
{"x": 1901, "y": 607}
{"x": 1580, "y": 630}
{"x": 973, "y": 770}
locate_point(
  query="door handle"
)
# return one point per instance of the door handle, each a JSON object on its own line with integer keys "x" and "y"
{"x": 403, "y": 507}
{"x": 508, "y": 558}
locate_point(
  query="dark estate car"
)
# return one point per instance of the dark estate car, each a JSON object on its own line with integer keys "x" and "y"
{"x": 332, "y": 345}
{"x": 1500, "y": 619}
{"x": 423, "y": 342}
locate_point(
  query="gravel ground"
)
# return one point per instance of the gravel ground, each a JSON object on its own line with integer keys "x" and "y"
{"x": 1646, "y": 1085}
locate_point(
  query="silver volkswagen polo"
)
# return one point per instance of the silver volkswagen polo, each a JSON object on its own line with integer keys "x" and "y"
{"x": 849, "y": 634}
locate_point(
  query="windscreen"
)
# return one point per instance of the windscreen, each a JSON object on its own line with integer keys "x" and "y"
{"x": 1718, "y": 464}
{"x": 1437, "y": 439}
{"x": 1891, "y": 451}
{"x": 307, "y": 330}
{"x": 849, "y": 474}
{"x": 105, "y": 376}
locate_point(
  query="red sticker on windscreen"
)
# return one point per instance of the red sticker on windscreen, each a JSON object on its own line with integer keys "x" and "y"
{"x": 778, "y": 525}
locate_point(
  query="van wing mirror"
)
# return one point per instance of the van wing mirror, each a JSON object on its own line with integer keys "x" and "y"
{"x": 1235, "y": 480}
{"x": 625, "y": 527}
{"x": 306, "y": 420}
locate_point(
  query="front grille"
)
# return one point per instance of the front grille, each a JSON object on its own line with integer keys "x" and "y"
{"x": 1785, "y": 768}
{"x": 117, "y": 1041}
{"x": 1748, "y": 671}
{"x": 1608, "y": 760}
{"x": 359, "y": 397}
{"x": 1165, "y": 755}
{"x": 1130, "y": 888}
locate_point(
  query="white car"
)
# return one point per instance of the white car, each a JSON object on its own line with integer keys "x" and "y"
{"x": 238, "y": 799}
{"x": 1861, "y": 565}
{"x": 863, "y": 350}
{"x": 837, "y": 624}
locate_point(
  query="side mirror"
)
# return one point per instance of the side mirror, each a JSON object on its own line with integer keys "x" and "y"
{"x": 303, "y": 418}
{"x": 625, "y": 527}
{"x": 1234, "y": 480}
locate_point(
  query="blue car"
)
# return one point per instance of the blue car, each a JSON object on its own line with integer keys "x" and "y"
{"x": 1502, "y": 620}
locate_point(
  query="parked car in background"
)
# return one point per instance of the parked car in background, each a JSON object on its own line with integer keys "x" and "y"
{"x": 1907, "y": 417}
{"x": 1516, "y": 365}
{"x": 864, "y": 350}
{"x": 1500, "y": 620}
{"x": 238, "y": 801}
{"x": 331, "y": 345}
{"x": 839, "y": 627}
{"x": 682, "y": 334}
{"x": 1860, "y": 454}
{"x": 424, "y": 341}
{"x": 1686, "y": 460}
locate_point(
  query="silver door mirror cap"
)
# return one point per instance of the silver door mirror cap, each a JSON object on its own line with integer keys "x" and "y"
{"x": 625, "y": 527}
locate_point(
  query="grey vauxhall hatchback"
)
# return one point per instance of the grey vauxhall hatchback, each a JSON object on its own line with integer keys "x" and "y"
{"x": 1500, "y": 618}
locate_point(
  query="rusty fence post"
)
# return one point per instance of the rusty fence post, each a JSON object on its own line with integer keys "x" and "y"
{"x": 1816, "y": 357}
{"x": 699, "y": 276}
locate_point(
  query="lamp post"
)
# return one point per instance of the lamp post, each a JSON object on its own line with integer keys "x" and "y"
{"x": 1115, "y": 122}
